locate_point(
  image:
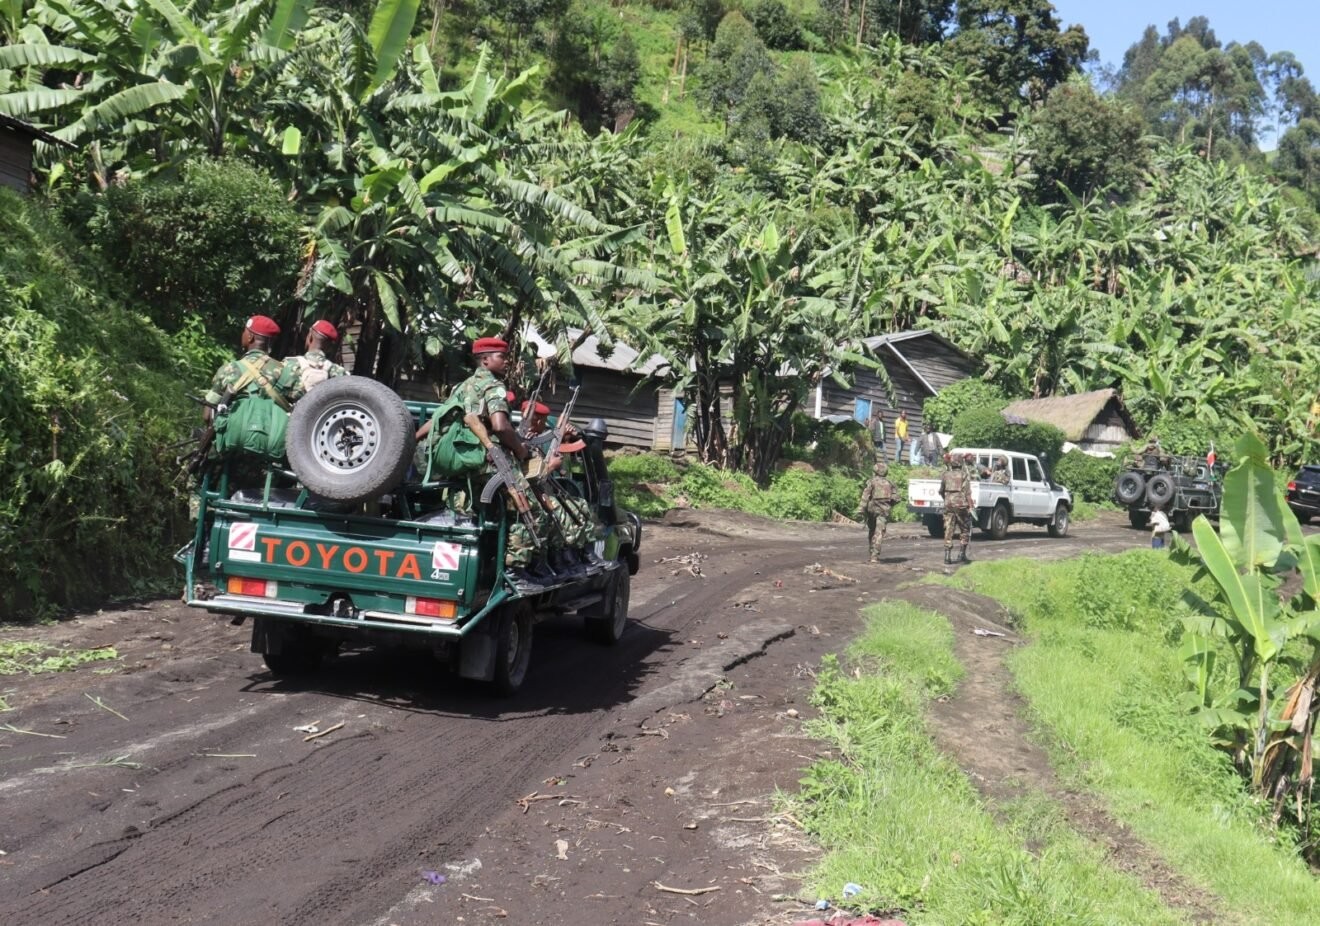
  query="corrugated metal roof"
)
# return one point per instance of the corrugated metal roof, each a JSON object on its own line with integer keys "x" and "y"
{"x": 623, "y": 359}
{"x": 25, "y": 128}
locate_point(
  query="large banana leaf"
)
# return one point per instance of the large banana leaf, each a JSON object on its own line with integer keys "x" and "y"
{"x": 285, "y": 22}
{"x": 1251, "y": 522}
{"x": 36, "y": 55}
{"x": 1255, "y": 604}
{"x": 388, "y": 35}
{"x": 122, "y": 105}
{"x": 26, "y": 102}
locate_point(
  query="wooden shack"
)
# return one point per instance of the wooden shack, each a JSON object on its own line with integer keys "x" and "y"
{"x": 17, "y": 139}
{"x": 1097, "y": 422}
{"x": 918, "y": 363}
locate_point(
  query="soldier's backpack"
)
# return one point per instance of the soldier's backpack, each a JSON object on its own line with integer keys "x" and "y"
{"x": 257, "y": 419}
{"x": 312, "y": 372}
{"x": 451, "y": 449}
{"x": 882, "y": 491}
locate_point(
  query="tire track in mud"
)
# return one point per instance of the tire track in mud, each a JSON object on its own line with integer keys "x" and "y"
{"x": 334, "y": 832}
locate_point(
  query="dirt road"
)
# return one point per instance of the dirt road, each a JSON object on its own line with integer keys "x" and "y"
{"x": 176, "y": 789}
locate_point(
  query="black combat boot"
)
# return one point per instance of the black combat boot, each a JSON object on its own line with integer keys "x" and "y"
{"x": 948, "y": 556}
{"x": 962, "y": 555}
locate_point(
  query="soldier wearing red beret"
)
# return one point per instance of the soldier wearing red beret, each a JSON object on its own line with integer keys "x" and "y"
{"x": 315, "y": 366}
{"x": 256, "y": 371}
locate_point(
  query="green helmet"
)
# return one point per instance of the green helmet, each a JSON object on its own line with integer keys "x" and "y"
{"x": 881, "y": 468}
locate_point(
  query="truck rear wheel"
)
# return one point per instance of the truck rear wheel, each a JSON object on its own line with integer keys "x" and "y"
{"x": 999, "y": 522}
{"x": 350, "y": 439}
{"x": 934, "y": 525}
{"x": 513, "y": 648}
{"x": 606, "y": 621}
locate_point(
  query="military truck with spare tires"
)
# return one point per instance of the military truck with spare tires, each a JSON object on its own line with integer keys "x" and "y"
{"x": 342, "y": 546}
{"x": 1184, "y": 486}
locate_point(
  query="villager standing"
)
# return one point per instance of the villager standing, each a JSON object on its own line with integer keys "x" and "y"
{"x": 1159, "y": 527}
{"x": 314, "y": 366}
{"x": 955, "y": 489}
{"x": 900, "y": 435}
{"x": 876, "y": 425}
{"x": 878, "y": 499}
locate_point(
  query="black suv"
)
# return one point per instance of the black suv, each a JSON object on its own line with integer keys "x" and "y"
{"x": 1304, "y": 493}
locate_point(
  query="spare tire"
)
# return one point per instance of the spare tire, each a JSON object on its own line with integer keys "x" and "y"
{"x": 350, "y": 439}
{"x": 1160, "y": 489}
{"x": 1129, "y": 487}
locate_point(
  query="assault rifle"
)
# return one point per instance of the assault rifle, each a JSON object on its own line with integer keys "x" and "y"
{"x": 205, "y": 437}
{"x": 526, "y": 423}
{"x": 506, "y": 474}
{"x": 561, "y": 428}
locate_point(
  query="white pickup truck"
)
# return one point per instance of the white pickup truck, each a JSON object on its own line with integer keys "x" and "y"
{"x": 1029, "y": 497}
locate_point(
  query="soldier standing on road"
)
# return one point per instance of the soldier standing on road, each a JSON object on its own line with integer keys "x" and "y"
{"x": 878, "y": 499}
{"x": 315, "y": 366}
{"x": 955, "y": 489}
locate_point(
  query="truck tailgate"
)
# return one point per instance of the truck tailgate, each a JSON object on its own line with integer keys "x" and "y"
{"x": 312, "y": 558}
{"x": 925, "y": 494}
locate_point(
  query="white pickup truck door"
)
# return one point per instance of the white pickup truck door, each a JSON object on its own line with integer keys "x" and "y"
{"x": 1031, "y": 495}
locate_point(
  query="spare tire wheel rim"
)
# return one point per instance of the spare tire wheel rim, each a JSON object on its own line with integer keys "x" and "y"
{"x": 345, "y": 437}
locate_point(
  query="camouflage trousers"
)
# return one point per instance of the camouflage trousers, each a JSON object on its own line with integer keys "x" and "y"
{"x": 875, "y": 533}
{"x": 522, "y": 545}
{"x": 957, "y": 521}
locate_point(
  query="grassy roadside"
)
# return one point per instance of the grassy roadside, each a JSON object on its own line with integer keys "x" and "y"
{"x": 900, "y": 819}
{"x": 1103, "y": 679}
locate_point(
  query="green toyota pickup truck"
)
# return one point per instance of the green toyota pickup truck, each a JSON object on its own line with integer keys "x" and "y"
{"x": 347, "y": 544}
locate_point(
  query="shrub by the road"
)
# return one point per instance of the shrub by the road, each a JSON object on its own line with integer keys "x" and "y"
{"x": 91, "y": 397}
{"x": 1088, "y": 478}
{"x": 939, "y": 411}
{"x": 986, "y": 427}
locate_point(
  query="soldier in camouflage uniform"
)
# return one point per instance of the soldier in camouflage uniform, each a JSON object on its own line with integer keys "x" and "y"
{"x": 315, "y": 367}
{"x": 255, "y": 342}
{"x": 1000, "y": 474}
{"x": 955, "y": 489}
{"x": 484, "y": 394}
{"x": 878, "y": 498}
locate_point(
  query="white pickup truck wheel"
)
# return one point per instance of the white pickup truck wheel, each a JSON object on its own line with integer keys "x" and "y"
{"x": 934, "y": 525}
{"x": 1058, "y": 526}
{"x": 999, "y": 522}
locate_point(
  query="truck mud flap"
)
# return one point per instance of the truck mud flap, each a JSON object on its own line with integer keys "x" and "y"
{"x": 476, "y": 656}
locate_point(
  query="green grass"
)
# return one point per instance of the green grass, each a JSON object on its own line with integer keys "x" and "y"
{"x": 900, "y": 819}
{"x": 27, "y": 658}
{"x": 1103, "y": 681}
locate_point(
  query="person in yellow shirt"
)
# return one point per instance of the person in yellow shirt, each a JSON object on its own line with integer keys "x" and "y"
{"x": 900, "y": 436}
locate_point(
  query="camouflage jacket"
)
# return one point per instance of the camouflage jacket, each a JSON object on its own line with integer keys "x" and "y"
{"x": 312, "y": 368}
{"x": 1000, "y": 476}
{"x": 955, "y": 488}
{"x": 281, "y": 380}
{"x": 482, "y": 394}
{"x": 878, "y": 496}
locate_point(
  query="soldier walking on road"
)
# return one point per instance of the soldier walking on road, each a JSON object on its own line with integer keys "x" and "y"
{"x": 878, "y": 499}
{"x": 955, "y": 489}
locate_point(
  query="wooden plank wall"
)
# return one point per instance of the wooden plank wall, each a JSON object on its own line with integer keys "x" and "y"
{"x": 15, "y": 160}
{"x": 908, "y": 396}
{"x": 629, "y": 410}
{"x": 664, "y": 419}
{"x": 939, "y": 365}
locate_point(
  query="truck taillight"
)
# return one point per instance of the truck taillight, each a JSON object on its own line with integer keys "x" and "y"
{"x": 252, "y": 588}
{"x": 431, "y": 607}
{"x": 1292, "y": 486}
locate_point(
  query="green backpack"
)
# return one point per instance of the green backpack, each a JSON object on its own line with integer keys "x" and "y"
{"x": 256, "y": 421}
{"x": 451, "y": 448}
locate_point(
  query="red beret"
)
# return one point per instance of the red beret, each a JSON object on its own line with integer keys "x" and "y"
{"x": 541, "y": 408}
{"x": 263, "y": 325}
{"x": 510, "y": 397}
{"x": 326, "y": 330}
{"x": 489, "y": 346}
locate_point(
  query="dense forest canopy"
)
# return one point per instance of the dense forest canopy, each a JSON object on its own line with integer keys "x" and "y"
{"x": 748, "y": 189}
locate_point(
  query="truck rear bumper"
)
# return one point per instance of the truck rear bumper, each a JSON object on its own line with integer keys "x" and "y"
{"x": 360, "y": 620}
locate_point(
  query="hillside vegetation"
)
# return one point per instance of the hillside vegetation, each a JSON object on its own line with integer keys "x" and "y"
{"x": 748, "y": 192}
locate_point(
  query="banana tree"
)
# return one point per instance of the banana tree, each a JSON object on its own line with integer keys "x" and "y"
{"x": 1269, "y": 727}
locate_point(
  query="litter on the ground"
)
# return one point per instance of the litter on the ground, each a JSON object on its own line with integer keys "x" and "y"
{"x": 306, "y": 728}
{"x": 818, "y": 570}
{"x": 687, "y": 891}
{"x": 851, "y": 889}
{"x": 433, "y": 877}
{"x": 561, "y": 849}
{"x": 688, "y": 564}
{"x": 311, "y": 736}
{"x": 844, "y": 919}
{"x": 822, "y": 904}
{"x": 982, "y": 632}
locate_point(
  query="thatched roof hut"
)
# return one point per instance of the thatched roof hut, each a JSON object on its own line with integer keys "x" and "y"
{"x": 1094, "y": 421}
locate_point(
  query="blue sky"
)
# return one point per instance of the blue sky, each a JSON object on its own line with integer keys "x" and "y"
{"x": 1279, "y": 25}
